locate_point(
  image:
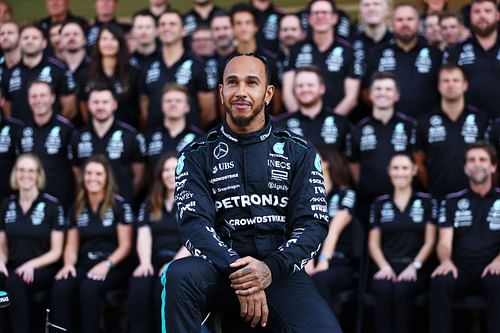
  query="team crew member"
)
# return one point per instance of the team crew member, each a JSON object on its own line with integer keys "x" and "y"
{"x": 402, "y": 236}
{"x": 201, "y": 14}
{"x": 9, "y": 131}
{"x": 452, "y": 28}
{"x": 73, "y": 41}
{"x": 333, "y": 270}
{"x": 343, "y": 27}
{"x": 9, "y": 46}
{"x": 444, "y": 133}
{"x": 313, "y": 120}
{"x": 227, "y": 220}
{"x": 332, "y": 54}
{"x": 119, "y": 142}
{"x": 31, "y": 239}
{"x": 105, "y": 11}
{"x": 48, "y": 136}
{"x": 35, "y": 66}
{"x": 478, "y": 56}
{"x": 222, "y": 32}
{"x": 58, "y": 11}
{"x": 110, "y": 65}
{"x": 157, "y": 7}
{"x": 144, "y": 33}
{"x": 268, "y": 21}
{"x": 414, "y": 63}
{"x": 175, "y": 66}
{"x": 175, "y": 133}
{"x": 290, "y": 33}
{"x": 469, "y": 243}
{"x": 158, "y": 242}
{"x": 375, "y": 139}
{"x": 98, "y": 244}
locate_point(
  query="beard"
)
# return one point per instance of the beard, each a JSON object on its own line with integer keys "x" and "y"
{"x": 478, "y": 178}
{"x": 406, "y": 39}
{"x": 484, "y": 31}
{"x": 243, "y": 122}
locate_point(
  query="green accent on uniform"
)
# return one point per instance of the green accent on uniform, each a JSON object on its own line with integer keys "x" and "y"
{"x": 317, "y": 162}
{"x": 180, "y": 164}
{"x": 163, "y": 298}
{"x": 279, "y": 148}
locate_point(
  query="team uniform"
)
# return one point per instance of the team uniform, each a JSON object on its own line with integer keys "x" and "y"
{"x": 476, "y": 242}
{"x": 16, "y": 80}
{"x": 28, "y": 236}
{"x": 248, "y": 195}
{"x": 482, "y": 70}
{"x": 416, "y": 72}
{"x": 402, "y": 237}
{"x": 144, "y": 293}
{"x": 187, "y": 71}
{"x": 160, "y": 142}
{"x": 193, "y": 20}
{"x": 143, "y": 61}
{"x": 444, "y": 142}
{"x": 51, "y": 143}
{"x": 336, "y": 63}
{"x": 9, "y": 130}
{"x": 268, "y": 22}
{"x": 326, "y": 129}
{"x": 98, "y": 238}
{"x": 95, "y": 29}
{"x": 121, "y": 145}
{"x": 46, "y": 23}
{"x": 343, "y": 28}
{"x": 340, "y": 274}
{"x": 372, "y": 145}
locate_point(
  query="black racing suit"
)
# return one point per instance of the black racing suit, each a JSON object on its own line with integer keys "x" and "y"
{"x": 259, "y": 195}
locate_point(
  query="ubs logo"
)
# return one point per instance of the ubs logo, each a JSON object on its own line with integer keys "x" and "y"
{"x": 222, "y": 167}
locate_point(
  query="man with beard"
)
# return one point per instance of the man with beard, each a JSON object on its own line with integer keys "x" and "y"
{"x": 290, "y": 33}
{"x": 244, "y": 210}
{"x": 73, "y": 41}
{"x": 479, "y": 56}
{"x": 9, "y": 44}
{"x": 35, "y": 66}
{"x": 414, "y": 63}
{"x": 469, "y": 243}
{"x": 313, "y": 120}
{"x": 222, "y": 32}
{"x": 119, "y": 142}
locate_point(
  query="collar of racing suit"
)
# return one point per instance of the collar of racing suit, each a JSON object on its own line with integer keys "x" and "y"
{"x": 245, "y": 139}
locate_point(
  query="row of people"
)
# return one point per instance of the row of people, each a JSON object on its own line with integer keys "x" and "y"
{"x": 96, "y": 253}
{"x": 162, "y": 56}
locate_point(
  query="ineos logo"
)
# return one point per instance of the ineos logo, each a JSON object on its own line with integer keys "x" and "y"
{"x": 221, "y": 150}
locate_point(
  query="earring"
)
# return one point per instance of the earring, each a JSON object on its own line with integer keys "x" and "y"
{"x": 267, "y": 103}
{"x": 222, "y": 101}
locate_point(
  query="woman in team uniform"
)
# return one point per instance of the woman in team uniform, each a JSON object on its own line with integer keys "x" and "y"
{"x": 401, "y": 239}
{"x": 97, "y": 248}
{"x": 333, "y": 269}
{"x": 158, "y": 243}
{"x": 31, "y": 240}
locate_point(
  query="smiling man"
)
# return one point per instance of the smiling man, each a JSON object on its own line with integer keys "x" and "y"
{"x": 246, "y": 212}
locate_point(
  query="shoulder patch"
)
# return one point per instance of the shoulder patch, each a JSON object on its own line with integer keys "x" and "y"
{"x": 126, "y": 126}
{"x": 382, "y": 197}
{"x": 64, "y": 121}
{"x": 456, "y": 194}
{"x": 423, "y": 195}
{"x": 50, "y": 198}
{"x": 284, "y": 134}
{"x": 56, "y": 62}
{"x": 119, "y": 198}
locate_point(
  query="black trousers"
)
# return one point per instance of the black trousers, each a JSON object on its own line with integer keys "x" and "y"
{"x": 193, "y": 288}
{"x": 19, "y": 294}
{"x": 338, "y": 277}
{"x": 85, "y": 294}
{"x": 393, "y": 306}
{"x": 469, "y": 281}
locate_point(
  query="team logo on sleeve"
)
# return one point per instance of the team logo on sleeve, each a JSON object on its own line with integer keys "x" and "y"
{"x": 329, "y": 131}
{"x": 424, "y": 61}
{"x": 387, "y": 213}
{"x": 180, "y": 164}
{"x": 399, "y": 137}
{"x": 11, "y": 214}
{"x": 115, "y": 145}
{"x": 53, "y": 143}
{"x": 417, "y": 211}
{"x": 317, "y": 163}
{"x": 271, "y": 27}
{"x": 335, "y": 60}
{"x": 470, "y": 132}
{"x": 5, "y": 139}
{"x": 46, "y": 74}
{"x": 293, "y": 125}
{"x": 494, "y": 216}
{"x": 463, "y": 216}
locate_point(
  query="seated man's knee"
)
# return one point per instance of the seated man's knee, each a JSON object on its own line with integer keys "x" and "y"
{"x": 442, "y": 283}
{"x": 492, "y": 284}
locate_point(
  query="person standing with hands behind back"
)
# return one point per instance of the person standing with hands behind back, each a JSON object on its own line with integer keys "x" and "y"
{"x": 244, "y": 196}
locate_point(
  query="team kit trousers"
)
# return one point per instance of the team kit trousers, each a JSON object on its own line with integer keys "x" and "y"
{"x": 194, "y": 288}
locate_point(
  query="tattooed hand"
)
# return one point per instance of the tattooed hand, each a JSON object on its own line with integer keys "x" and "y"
{"x": 253, "y": 276}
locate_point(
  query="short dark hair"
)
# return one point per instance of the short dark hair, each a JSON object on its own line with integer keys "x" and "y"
{"x": 447, "y": 14}
{"x": 480, "y": 1}
{"x": 143, "y": 12}
{"x": 486, "y": 146}
{"x": 451, "y": 66}
{"x": 406, "y": 4}
{"x": 31, "y": 25}
{"x": 255, "y": 55}
{"x": 331, "y": 2}
{"x": 172, "y": 11}
{"x": 243, "y": 8}
{"x": 99, "y": 86}
{"x": 311, "y": 69}
{"x": 45, "y": 83}
{"x": 377, "y": 76}
{"x": 71, "y": 21}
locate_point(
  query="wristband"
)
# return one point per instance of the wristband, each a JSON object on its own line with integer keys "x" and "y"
{"x": 109, "y": 263}
{"x": 323, "y": 257}
{"x": 417, "y": 264}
